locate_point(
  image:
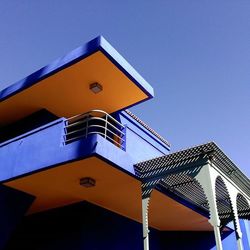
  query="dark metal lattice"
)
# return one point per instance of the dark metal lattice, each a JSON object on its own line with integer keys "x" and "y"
{"x": 175, "y": 172}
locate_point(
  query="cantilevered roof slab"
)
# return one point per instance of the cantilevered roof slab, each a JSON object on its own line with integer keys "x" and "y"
{"x": 62, "y": 87}
{"x": 115, "y": 190}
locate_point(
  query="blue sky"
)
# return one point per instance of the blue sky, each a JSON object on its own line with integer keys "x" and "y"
{"x": 195, "y": 53}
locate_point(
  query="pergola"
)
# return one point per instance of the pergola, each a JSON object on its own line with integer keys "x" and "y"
{"x": 204, "y": 177}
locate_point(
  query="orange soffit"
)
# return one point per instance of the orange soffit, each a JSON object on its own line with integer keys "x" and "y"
{"x": 60, "y": 186}
{"x": 93, "y": 76}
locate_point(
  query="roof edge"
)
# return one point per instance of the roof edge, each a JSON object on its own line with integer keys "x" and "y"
{"x": 97, "y": 44}
{"x": 148, "y": 128}
{"x": 125, "y": 67}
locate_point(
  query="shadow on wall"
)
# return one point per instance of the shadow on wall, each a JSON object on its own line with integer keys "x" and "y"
{"x": 86, "y": 226}
{"x": 13, "y": 206}
{"x": 26, "y": 124}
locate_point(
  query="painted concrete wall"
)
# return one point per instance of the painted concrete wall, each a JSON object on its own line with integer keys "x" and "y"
{"x": 31, "y": 151}
{"x": 141, "y": 143}
{"x": 43, "y": 147}
{"x": 246, "y": 233}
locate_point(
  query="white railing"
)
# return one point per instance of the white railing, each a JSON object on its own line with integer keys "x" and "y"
{"x": 95, "y": 122}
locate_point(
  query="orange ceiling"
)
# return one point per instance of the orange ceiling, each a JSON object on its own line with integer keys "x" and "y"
{"x": 114, "y": 190}
{"x": 67, "y": 93}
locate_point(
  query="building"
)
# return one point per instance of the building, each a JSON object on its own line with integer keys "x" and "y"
{"x": 80, "y": 171}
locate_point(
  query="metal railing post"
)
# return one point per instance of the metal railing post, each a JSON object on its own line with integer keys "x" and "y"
{"x": 92, "y": 123}
{"x": 87, "y": 126}
{"x": 106, "y": 125}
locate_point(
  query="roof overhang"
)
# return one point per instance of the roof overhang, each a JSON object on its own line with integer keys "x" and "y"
{"x": 115, "y": 190}
{"x": 63, "y": 87}
{"x": 175, "y": 174}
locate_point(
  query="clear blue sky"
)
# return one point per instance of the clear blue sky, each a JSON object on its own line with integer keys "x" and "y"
{"x": 195, "y": 53}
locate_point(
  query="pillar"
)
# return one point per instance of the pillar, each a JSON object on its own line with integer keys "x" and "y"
{"x": 207, "y": 178}
{"x": 238, "y": 234}
{"x": 145, "y": 204}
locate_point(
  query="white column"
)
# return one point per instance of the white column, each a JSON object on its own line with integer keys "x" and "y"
{"x": 238, "y": 233}
{"x": 237, "y": 228}
{"x": 240, "y": 244}
{"x": 145, "y": 204}
{"x": 233, "y": 197}
{"x": 217, "y": 237}
{"x": 207, "y": 178}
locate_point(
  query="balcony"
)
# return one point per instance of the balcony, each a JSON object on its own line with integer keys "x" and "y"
{"x": 95, "y": 122}
{"x": 94, "y": 133}
{"x": 121, "y": 140}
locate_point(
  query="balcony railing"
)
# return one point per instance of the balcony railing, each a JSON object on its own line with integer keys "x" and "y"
{"x": 95, "y": 122}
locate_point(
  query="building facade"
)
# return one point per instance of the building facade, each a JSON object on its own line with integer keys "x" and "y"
{"x": 78, "y": 170}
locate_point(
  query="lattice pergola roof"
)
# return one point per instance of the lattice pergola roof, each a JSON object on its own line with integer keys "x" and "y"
{"x": 176, "y": 173}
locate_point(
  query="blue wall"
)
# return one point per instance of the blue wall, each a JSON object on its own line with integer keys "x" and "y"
{"x": 43, "y": 147}
{"x": 31, "y": 151}
{"x": 141, "y": 144}
{"x": 246, "y": 233}
{"x": 86, "y": 226}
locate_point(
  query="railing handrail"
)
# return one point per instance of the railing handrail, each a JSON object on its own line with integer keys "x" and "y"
{"x": 97, "y": 111}
{"x": 96, "y": 132}
{"x": 108, "y": 127}
{"x": 94, "y": 118}
{"x": 94, "y": 126}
